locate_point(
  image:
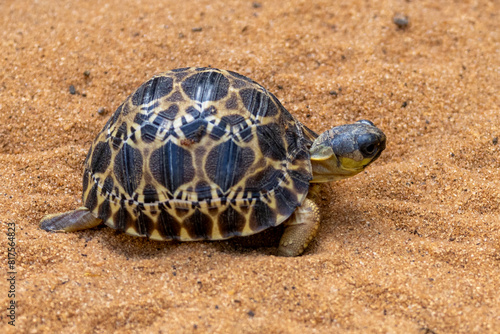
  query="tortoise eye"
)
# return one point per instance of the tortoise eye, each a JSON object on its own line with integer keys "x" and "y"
{"x": 368, "y": 150}
{"x": 368, "y": 144}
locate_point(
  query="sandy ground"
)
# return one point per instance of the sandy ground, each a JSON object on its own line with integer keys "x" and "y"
{"x": 410, "y": 246}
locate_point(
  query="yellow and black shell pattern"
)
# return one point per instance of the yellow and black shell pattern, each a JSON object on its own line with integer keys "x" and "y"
{"x": 198, "y": 153}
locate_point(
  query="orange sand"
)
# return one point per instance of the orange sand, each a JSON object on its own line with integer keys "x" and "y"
{"x": 410, "y": 246}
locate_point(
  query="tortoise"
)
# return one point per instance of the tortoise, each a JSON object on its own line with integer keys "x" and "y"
{"x": 209, "y": 154}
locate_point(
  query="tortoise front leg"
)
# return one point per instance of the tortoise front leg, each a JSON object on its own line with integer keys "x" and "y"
{"x": 71, "y": 221}
{"x": 300, "y": 229}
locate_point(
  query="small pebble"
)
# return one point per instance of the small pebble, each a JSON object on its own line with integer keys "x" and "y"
{"x": 86, "y": 73}
{"x": 68, "y": 126}
{"x": 495, "y": 140}
{"x": 401, "y": 20}
{"x": 101, "y": 111}
{"x": 197, "y": 29}
{"x": 256, "y": 5}
{"x": 72, "y": 90}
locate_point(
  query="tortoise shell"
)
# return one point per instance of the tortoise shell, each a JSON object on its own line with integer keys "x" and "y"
{"x": 198, "y": 153}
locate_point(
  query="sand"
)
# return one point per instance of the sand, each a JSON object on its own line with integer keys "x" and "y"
{"x": 409, "y": 246}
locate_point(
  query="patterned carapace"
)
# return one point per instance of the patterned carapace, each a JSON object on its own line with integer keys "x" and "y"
{"x": 198, "y": 153}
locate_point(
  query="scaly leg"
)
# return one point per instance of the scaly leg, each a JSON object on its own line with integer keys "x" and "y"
{"x": 300, "y": 229}
{"x": 71, "y": 221}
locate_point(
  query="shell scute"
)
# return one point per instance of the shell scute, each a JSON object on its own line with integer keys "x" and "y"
{"x": 101, "y": 158}
{"x": 128, "y": 168}
{"x": 206, "y": 86}
{"x": 152, "y": 91}
{"x": 171, "y": 166}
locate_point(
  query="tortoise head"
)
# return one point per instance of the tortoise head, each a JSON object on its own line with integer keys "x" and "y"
{"x": 345, "y": 150}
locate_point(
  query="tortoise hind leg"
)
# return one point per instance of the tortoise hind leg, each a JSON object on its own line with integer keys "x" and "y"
{"x": 71, "y": 221}
{"x": 300, "y": 229}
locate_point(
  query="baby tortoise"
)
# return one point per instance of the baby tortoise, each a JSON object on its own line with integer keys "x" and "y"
{"x": 209, "y": 154}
